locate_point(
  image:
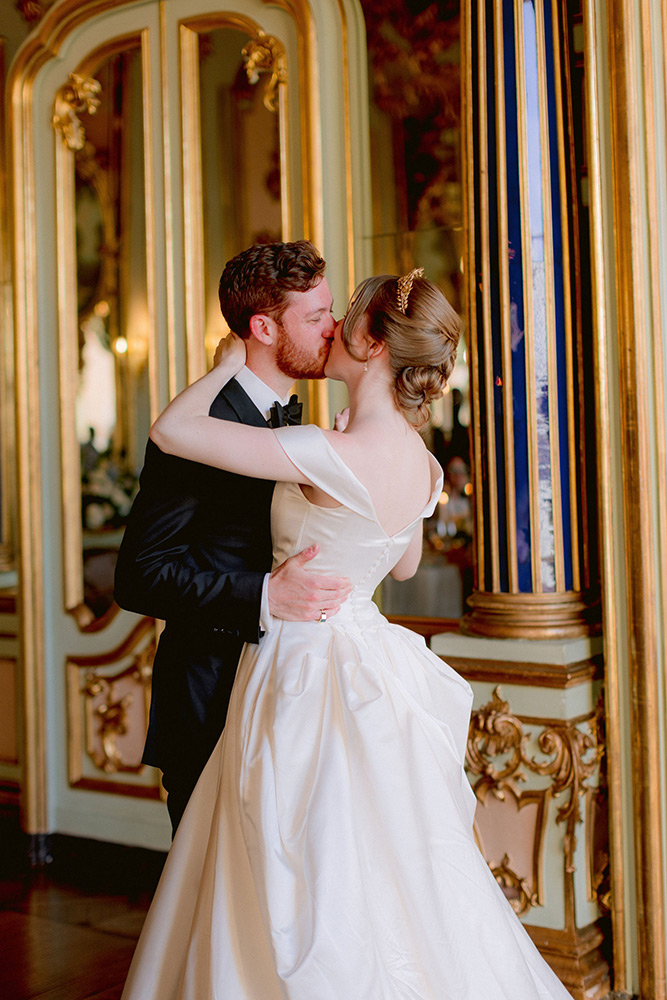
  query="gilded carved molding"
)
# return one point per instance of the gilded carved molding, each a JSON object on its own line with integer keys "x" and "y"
{"x": 111, "y": 711}
{"x": 520, "y": 895}
{"x": 75, "y": 97}
{"x": 575, "y": 758}
{"x": 497, "y": 756}
{"x": 33, "y": 11}
{"x": 265, "y": 54}
{"x": 108, "y": 704}
{"x": 494, "y": 732}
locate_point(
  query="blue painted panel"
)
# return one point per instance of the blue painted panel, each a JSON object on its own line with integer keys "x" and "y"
{"x": 499, "y": 391}
{"x": 517, "y": 306}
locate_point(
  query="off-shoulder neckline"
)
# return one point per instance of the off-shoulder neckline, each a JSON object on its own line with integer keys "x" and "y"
{"x": 370, "y": 512}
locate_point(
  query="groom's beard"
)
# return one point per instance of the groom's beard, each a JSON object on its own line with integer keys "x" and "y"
{"x": 297, "y": 362}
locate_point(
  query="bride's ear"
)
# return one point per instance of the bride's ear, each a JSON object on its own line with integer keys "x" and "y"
{"x": 374, "y": 347}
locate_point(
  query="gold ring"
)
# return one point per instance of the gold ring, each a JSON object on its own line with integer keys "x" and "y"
{"x": 323, "y": 616}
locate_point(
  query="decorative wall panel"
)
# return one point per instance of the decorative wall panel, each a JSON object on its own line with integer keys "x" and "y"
{"x": 108, "y": 700}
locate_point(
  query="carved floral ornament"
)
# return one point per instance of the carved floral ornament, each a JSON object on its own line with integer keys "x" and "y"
{"x": 75, "y": 97}
{"x": 111, "y": 712}
{"x": 572, "y": 757}
{"x": 33, "y": 11}
{"x": 520, "y": 896}
{"x": 265, "y": 54}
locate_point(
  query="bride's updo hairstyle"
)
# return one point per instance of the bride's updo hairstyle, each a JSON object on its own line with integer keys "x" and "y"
{"x": 421, "y": 341}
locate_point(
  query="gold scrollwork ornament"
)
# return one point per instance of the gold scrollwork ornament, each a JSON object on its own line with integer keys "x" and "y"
{"x": 33, "y": 11}
{"x": 75, "y": 97}
{"x": 516, "y": 888}
{"x": 265, "y": 54}
{"x": 574, "y": 756}
{"x": 495, "y": 732}
{"x": 112, "y": 712}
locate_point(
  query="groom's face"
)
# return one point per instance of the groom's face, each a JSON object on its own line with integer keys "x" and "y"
{"x": 305, "y": 332}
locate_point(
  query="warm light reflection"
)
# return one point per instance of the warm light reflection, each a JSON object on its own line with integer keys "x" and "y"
{"x": 96, "y": 395}
{"x": 214, "y": 335}
{"x": 120, "y": 345}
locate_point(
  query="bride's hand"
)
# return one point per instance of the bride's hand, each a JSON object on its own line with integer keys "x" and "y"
{"x": 341, "y": 419}
{"x": 231, "y": 353}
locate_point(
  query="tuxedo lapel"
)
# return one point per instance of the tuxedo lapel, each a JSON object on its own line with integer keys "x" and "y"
{"x": 240, "y": 402}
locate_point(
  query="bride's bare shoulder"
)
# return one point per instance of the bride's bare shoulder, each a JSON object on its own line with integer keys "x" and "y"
{"x": 366, "y": 450}
{"x": 337, "y": 439}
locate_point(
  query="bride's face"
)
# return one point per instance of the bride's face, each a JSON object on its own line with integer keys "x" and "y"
{"x": 340, "y": 364}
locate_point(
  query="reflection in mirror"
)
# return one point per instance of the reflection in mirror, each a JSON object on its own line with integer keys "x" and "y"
{"x": 415, "y": 113}
{"x": 240, "y": 155}
{"x": 112, "y": 403}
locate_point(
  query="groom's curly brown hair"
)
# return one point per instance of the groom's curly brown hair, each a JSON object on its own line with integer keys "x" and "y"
{"x": 259, "y": 280}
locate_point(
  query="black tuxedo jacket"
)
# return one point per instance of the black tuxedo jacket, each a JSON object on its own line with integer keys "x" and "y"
{"x": 195, "y": 552}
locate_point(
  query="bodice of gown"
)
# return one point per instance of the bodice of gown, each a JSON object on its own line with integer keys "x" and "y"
{"x": 351, "y": 541}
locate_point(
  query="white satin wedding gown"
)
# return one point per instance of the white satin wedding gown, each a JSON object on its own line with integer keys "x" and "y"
{"x": 327, "y": 851}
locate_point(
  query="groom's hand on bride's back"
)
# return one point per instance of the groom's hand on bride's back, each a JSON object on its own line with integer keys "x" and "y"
{"x": 298, "y": 594}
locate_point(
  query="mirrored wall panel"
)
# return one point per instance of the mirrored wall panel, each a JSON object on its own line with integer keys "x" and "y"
{"x": 112, "y": 394}
{"x": 414, "y": 63}
{"x": 240, "y": 153}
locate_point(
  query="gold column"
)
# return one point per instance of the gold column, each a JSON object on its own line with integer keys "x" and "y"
{"x": 636, "y": 106}
{"x": 531, "y": 416}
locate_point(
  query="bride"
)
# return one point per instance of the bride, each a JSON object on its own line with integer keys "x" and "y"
{"x": 327, "y": 852}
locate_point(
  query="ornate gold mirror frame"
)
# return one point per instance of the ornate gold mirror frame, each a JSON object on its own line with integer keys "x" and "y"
{"x": 78, "y": 97}
{"x": 265, "y": 58}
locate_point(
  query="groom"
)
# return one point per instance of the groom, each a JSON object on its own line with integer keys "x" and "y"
{"x": 197, "y": 546}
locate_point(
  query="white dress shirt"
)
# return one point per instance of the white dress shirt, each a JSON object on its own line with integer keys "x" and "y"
{"x": 263, "y": 396}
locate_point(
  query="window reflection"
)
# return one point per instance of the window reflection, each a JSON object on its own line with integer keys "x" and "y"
{"x": 240, "y": 156}
{"x": 414, "y": 66}
{"x": 112, "y": 394}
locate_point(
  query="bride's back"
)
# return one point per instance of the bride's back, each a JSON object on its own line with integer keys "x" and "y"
{"x": 394, "y": 466}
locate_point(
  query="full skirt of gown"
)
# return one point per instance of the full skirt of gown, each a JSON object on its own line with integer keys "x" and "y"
{"x": 327, "y": 852}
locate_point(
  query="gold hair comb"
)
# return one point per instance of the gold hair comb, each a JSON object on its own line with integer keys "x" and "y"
{"x": 405, "y": 287}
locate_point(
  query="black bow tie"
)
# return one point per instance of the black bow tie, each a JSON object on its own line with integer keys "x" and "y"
{"x": 290, "y": 413}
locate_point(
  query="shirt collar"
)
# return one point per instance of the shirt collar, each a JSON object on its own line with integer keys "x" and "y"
{"x": 262, "y": 395}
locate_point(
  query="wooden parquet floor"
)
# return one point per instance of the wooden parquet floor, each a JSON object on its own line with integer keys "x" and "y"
{"x": 68, "y": 930}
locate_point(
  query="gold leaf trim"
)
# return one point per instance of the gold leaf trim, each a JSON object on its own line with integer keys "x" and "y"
{"x": 521, "y": 898}
{"x": 75, "y": 97}
{"x": 265, "y": 54}
{"x": 495, "y": 731}
{"x": 574, "y": 757}
{"x": 111, "y": 713}
{"x": 33, "y": 11}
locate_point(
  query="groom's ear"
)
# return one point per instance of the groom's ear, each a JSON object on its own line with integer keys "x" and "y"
{"x": 263, "y": 328}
